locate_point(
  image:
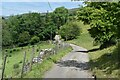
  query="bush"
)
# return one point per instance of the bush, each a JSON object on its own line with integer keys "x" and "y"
{"x": 14, "y": 49}
{"x": 70, "y": 30}
{"x": 15, "y": 66}
{"x": 118, "y": 48}
{"x": 10, "y": 51}
{"x": 10, "y": 55}
{"x": 34, "y": 40}
{"x": 37, "y": 50}
{"x": 17, "y": 49}
{"x": 20, "y": 62}
{"x": 6, "y": 50}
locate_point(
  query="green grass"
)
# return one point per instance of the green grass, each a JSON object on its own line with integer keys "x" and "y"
{"x": 84, "y": 40}
{"x": 103, "y": 63}
{"x": 17, "y": 56}
{"x": 39, "y": 69}
{"x": 0, "y": 59}
{"x": 0, "y": 63}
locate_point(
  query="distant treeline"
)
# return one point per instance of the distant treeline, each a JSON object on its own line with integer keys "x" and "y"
{"x": 30, "y": 28}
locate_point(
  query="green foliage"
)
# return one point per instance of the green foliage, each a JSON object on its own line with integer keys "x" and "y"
{"x": 15, "y": 66}
{"x": 84, "y": 14}
{"x": 34, "y": 40}
{"x": 6, "y": 34}
{"x": 118, "y": 51}
{"x": 23, "y": 38}
{"x": 104, "y": 21}
{"x": 70, "y": 30}
{"x": 60, "y": 16}
{"x": 19, "y": 29}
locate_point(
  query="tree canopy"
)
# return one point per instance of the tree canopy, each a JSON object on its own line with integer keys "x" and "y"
{"x": 104, "y": 20}
{"x": 32, "y": 27}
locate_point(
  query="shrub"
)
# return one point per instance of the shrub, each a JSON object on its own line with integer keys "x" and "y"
{"x": 15, "y": 66}
{"x": 70, "y": 30}
{"x": 17, "y": 49}
{"x": 14, "y": 49}
{"x": 10, "y": 51}
{"x": 20, "y": 62}
{"x": 10, "y": 55}
{"x": 34, "y": 40}
{"x": 37, "y": 50}
{"x": 6, "y": 50}
{"x": 118, "y": 48}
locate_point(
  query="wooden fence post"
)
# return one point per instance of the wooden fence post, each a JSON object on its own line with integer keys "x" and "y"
{"x": 3, "y": 69}
{"x": 23, "y": 65}
{"x": 32, "y": 56}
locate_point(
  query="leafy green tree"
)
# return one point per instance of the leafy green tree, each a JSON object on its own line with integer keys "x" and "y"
{"x": 34, "y": 40}
{"x": 60, "y": 16}
{"x": 24, "y": 38}
{"x": 70, "y": 30}
{"x": 6, "y": 34}
{"x": 104, "y": 21}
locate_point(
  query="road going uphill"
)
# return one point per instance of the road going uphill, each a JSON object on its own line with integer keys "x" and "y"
{"x": 73, "y": 65}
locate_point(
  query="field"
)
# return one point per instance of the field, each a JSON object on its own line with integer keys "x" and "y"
{"x": 103, "y": 63}
{"x": 15, "y": 56}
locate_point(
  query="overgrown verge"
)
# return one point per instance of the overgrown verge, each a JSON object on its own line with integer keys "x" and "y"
{"x": 104, "y": 63}
{"x": 38, "y": 70}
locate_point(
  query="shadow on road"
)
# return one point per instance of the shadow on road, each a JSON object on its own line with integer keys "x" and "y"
{"x": 91, "y": 50}
{"x": 74, "y": 63}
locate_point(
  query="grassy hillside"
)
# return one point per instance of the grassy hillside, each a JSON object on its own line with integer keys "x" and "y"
{"x": 84, "y": 40}
{"x": 103, "y": 63}
{"x": 15, "y": 56}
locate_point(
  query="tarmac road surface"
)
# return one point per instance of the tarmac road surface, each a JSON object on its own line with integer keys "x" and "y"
{"x": 73, "y": 65}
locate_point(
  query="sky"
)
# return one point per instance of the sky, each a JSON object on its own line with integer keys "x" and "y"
{"x": 14, "y": 8}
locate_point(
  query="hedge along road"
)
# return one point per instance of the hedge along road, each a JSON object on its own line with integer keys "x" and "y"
{"x": 73, "y": 65}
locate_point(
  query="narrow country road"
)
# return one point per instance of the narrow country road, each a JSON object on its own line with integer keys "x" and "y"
{"x": 73, "y": 65}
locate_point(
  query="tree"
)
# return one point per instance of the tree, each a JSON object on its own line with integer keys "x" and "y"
{"x": 21, "y": 28}
{"x": 60, "y": 16}
{"x": 34, "y": 40}
{"x": 24, "y": 38}
{"x": 6, "y": 36}
{"x": 104, "y": 21}
{"x": 70, "y": 30}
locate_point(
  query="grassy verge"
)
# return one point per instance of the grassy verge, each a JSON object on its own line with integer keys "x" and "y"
{"x": 38, "y": 70}
{"x": 103, "y": 63}
{"x": 0, "y": 63}
{"x": 84, "y": 40}
{"x": 15, "y": 56}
